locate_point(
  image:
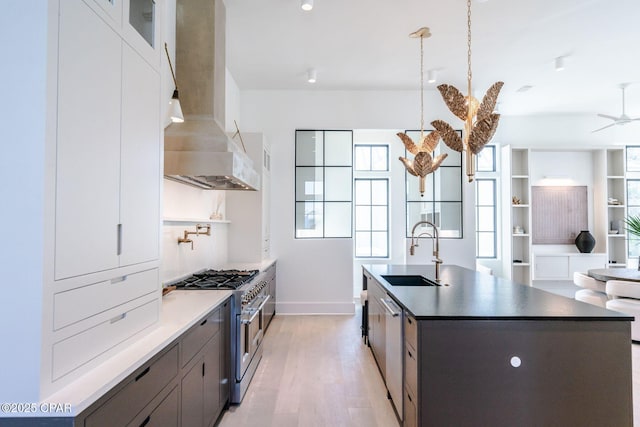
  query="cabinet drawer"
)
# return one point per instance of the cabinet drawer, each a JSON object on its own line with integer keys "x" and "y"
{"x": 143, "y": 386}
{"x": 77, "y": 304}
{"x": 410, "y": 330}
{"x": 164, "y": 414}
{"x": 198, "y": 336}
{"x": 410, "y": 410}
{"x": 411, "y": 369}
{"x": 79, "y": 349}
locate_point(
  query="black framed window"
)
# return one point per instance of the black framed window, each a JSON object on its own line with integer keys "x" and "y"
{"x": 371, "y": 157}
{"x": 323, "y": 184}
{"x": 441, "y": 203}
{"x": 372, "y": 217}
{"x": 633, "y": 209}
{"x": 486, "y": 235}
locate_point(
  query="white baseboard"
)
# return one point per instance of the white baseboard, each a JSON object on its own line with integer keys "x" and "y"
{"x": 290, "y": 308}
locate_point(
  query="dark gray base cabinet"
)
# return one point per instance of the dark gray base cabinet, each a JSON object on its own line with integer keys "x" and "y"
{"x": 186, "y": 384}
{"x": 521, "y": 373}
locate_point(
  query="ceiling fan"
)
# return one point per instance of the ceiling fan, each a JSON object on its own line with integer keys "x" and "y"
{"x": 623, "y": 119}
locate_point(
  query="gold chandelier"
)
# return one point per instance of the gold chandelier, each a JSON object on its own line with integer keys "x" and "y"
{"x": 423, "y": 162}
{"x": 480, "y": 120}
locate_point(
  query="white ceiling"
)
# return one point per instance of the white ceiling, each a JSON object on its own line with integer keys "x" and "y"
{"x": 364, "y": 45}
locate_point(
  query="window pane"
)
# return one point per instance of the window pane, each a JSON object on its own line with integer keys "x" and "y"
{"x": 309, "y": 184}
{"x": 363, "y": 157}
{"x": 309, "y": 148}
{"x": 363, "y": 243}
{"x": 484, "y": 195}
{"x": 363, "y": 218}
{"x": 337, "y": 218}
{"x": 633, "y": 159}
{"x": 363, "y": 192}
{"x": 486, "y": 248}
{"x": 486, "y": 159}
{"x": 448, "y": 184}
{"x": 338, "y": 148}
{"x": 379, "y": 218}
{"x": 379, "y": 192}
{"x": 633, "y": 192}
{"x": 379, "y": 244}
{"x": 309, "y": 218}
{"x": 486, "y": 219}
{"x": 413, "y": 186}
{"x": 337, "y": 184}
{"x": 450, "y": 219}
{"x": 380, "y": 158}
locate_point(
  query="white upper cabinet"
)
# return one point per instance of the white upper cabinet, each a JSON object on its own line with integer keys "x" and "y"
{"x": 140, "y": 164}
{"x": 108, "y": 161}
{"x": 88, "y": 146}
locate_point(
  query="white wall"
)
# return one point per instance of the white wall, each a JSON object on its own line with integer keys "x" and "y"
{"x": 182, "y": 201}
{"x": 318, "y": 275}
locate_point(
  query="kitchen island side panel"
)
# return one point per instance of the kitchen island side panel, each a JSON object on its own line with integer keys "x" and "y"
{"x": 571, "y": 373}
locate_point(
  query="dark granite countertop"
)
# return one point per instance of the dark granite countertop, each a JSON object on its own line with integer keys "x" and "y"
{"x": 474, "y": 295}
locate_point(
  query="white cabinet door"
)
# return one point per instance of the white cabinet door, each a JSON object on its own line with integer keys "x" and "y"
{"x": 88, "y": 143}
{"x": 552, "y": 267}
{"x": 140, "y": 160}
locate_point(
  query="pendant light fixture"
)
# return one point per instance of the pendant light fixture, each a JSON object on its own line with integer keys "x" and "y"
{"x": 480, "y": 120}
{"x": 423, "y": 162}
{"x": 175, "y": 110}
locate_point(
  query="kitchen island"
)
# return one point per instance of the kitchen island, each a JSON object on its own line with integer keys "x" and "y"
{"x": 481, "y": 350}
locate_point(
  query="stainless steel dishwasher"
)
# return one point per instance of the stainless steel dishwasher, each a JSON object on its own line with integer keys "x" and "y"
{"x": 393, "y": 351}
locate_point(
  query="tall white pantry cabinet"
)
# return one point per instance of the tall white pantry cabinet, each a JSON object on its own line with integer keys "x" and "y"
{"x": 83, "y": 173}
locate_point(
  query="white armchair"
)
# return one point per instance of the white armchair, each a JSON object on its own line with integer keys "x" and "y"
{"x": 625, "y": 298}
{"x": 594, "y": 291}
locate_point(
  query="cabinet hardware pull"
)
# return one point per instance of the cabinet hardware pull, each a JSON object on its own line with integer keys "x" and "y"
{"x": 146, "y": 421}
{"x": 203, "y": 322}
{"x": 143, "y": 373}
{"x": 119, "y": 246}
{"x": 409, "y": 397}
{"x": 386, "y": 305}
{"x": 203, "y": 369}
{"x": 410, "y": 355}
{"x": 118, "y": 279}
{"x": 118, "y": 318}
{"x": 409, "y": 320}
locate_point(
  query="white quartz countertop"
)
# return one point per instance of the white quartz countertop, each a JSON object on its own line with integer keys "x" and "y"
{"x": 180, "y": 310}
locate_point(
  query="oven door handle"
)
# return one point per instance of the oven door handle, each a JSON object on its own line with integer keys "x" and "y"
{"x": 257, "y": 311}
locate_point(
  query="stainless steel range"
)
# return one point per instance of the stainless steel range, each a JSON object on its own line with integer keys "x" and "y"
{"x": 247, "y": 314}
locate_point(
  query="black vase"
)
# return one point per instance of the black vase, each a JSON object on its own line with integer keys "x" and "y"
{"x": 585, "y": 242}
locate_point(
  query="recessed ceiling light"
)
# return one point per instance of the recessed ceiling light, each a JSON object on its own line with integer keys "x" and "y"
{"x": 559, "y": 63}
{"x": 311, "y": 75}
{"x": 432, "y": 76}
{"x": 524, "y": 88}
{"x": 306, "y": 5}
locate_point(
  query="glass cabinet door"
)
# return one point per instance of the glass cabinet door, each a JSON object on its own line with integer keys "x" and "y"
{"x": 142, "y": 17}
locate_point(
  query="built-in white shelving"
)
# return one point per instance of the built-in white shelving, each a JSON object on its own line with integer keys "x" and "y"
{"x": 616, "y": 210}
{"x": 518, "y": 248}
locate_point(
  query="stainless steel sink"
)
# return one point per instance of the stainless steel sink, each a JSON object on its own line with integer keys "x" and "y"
{"x": 409, "y": 281}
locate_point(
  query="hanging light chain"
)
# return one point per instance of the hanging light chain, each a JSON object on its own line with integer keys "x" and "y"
{"x": 469, "y": 46}
{"x": 421, "y": 88}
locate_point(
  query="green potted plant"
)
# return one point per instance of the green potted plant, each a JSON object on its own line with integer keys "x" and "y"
{"x": 633, "y": 227}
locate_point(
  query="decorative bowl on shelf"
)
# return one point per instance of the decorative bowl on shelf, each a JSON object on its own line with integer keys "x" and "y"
{"x": 614, "y": 231}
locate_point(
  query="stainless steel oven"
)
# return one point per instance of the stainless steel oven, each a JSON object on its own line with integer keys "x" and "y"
{"x": 251, "y": 324}
{"x": 250, "y": 297}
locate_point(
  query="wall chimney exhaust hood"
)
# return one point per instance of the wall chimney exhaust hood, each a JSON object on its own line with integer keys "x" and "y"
{"x": 198, "y": 152}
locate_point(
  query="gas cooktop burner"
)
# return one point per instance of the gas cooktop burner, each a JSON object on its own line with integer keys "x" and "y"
{"x": 217, "y": 279}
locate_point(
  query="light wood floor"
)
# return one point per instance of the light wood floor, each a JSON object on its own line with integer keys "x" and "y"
{"x": 316, "y": 371}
